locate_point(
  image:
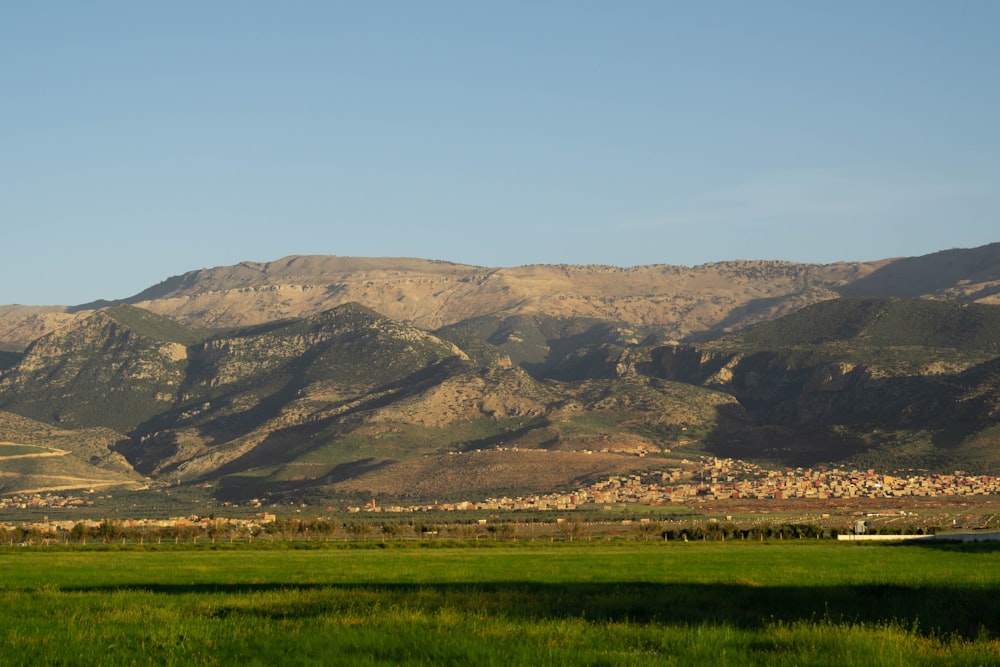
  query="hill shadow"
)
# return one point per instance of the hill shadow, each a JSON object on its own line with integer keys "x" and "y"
{"x": 937, "y": 610}
{"x": 234, "y": 488}
{"x": 285, "y": 444}
{"x": 9, "y": 359}
{"x": 513, "y": 435}
{"x": 96, "y": 305}
{"x": 917, "y": 276}
{"x": 971, "y": 543}
{"x": 789, "y": 417}
{"x": 737, "y": 318}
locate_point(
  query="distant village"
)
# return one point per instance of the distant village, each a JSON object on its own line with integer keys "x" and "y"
{"x": 707, "y": 479}
{"x": 731, "y": 479}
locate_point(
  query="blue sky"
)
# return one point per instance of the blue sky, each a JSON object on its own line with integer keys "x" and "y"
{"x": 140, "y": 140}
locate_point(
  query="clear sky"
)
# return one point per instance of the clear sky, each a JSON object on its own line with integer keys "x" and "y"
{"x": 140, "y": 140}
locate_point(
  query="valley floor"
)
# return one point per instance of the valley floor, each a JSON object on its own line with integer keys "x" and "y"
{"x": 735, "y": 603}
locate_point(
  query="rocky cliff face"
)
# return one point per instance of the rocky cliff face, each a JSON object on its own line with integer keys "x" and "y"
{"x": 676, "y": 302}
{"x": 679, "y": 301}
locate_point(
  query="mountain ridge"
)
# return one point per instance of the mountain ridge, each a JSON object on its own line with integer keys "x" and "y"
{"x": 290, "y": 405}
{"x": 273, "y": 380}
{"x": 680, "y": 302}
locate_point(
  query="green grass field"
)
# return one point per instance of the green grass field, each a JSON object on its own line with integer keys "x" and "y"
{"x": 7, "y": 449}
{"x": 784, "y": 603}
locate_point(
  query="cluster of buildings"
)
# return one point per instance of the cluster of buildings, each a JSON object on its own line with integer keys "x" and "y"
{"x": 731, "y": 479}
{"x": 721, "y": 479}
{"x": 728, "y": 479}
{"x": 20, "y": 501}
{"x": 707, "y": 479}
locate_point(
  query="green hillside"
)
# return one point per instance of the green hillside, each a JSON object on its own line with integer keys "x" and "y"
{"x": 154, "y": 327}
{"x": 867, "y": 381}
{"x": 100, "y": 372}
{"x": 881, "y": 322}
{"x": 540, "y": 343}
{"x": 35, "y": 457}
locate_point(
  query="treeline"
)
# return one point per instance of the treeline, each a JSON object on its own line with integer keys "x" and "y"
{"x": 782, "y": 531}
{"x": 111, "y": 531}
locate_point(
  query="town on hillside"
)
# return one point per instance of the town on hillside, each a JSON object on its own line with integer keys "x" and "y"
{"x": 733, "y": 479}
{"x": 708, "y": 479}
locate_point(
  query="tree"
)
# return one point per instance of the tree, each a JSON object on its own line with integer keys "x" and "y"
{"x": 693, "y": 532}
{"x": 324, "y": 528}
{"x": 213, "y": 530}
{"x": 186, "y": 532}
{"x": 109, "y": 530}
{"x": 812, "y": 530}
{"x": 27, "y": 534}
{"x": 466, "y": 531}
{"x": 289, "y": 528}
{"x": 506, "y": 531}
{"x": 501, "y": 531}
{"x": 135, "y": 533}
{"x": 359, "y": 530}
{"x": 646, "y": 529}
{"x": 574, "y": 529}
{"x": 79, "y": 533}
{"x": 390, "y": 529}
{"x": 424, "y": 529}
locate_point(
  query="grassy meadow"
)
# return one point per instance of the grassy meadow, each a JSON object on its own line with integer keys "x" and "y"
{"x": 775, "y": 603}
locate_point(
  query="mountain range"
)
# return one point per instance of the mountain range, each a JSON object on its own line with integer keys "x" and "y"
{"x": 323, "y": 377}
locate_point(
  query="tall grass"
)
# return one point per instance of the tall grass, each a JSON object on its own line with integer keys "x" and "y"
{"x": 732, "y": 604}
